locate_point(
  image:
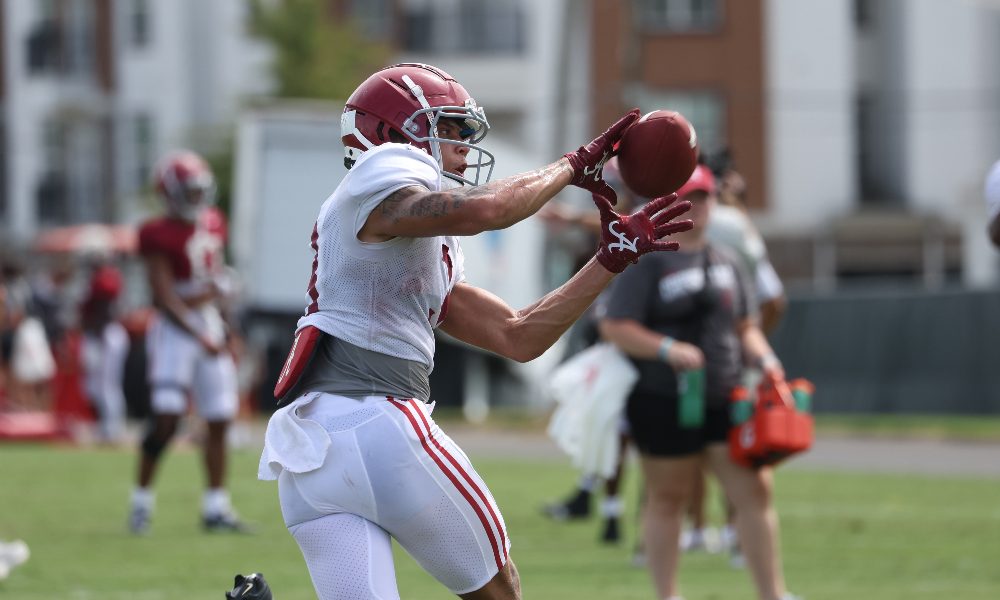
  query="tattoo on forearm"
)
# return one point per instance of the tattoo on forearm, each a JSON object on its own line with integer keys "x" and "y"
{"x": 433, "y": 204}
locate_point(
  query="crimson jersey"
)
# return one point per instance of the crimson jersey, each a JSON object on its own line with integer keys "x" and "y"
{"x": 194, "y": 249}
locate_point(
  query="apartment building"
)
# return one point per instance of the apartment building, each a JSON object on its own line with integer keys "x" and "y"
{"x": 863, "y": 127}
{"x": 93, "y": 91}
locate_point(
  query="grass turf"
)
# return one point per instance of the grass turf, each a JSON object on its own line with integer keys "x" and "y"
{"x": 845, "y": 535}
{"x": 971, "y": 428}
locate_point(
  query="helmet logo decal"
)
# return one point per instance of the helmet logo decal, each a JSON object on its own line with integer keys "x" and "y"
{"x": 349, "y": 127}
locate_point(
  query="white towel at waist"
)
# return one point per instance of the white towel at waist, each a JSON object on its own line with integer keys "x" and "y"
{"x": 292, "y": 442}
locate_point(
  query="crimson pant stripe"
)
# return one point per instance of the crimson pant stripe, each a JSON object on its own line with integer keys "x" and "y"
{"x": 472, "y": 483}
{"x": 454, "y": 480}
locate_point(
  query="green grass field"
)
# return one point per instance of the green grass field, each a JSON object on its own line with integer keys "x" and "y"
{"x": 970, "y": 428}
{"x": 845, "y": 536}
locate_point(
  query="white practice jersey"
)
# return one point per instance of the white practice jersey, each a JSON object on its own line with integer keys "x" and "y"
{"x": 385, "y": 297}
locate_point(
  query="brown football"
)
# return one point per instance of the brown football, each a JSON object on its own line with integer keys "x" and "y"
{"x": 658, "y": 153}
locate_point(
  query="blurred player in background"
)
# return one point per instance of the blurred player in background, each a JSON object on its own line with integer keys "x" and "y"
{"x": 187, "y": 339}
{"x": 991, "y": 192}
{"x": 357, "y": 455}
{"x": 104, "y": 350}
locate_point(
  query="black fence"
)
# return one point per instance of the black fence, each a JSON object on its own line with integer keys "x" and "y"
{"x": 896, "y": 352}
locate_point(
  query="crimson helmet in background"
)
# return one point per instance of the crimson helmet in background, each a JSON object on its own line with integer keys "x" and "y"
{"x": 185, "y": 183}
{"x": 105, "y": 283}
{"x": 411, "y": 99}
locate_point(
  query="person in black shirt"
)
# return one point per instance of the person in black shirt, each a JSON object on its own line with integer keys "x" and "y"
{"x": 677, "y": 314}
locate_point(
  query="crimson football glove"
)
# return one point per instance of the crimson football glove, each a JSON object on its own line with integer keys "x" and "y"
{"x": 624, "y": 238}
{"x": 588, "y": 161}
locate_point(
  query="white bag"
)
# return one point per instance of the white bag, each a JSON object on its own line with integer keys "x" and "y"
{"x": 590, "y": 390}
{"x": 31, "y": 357}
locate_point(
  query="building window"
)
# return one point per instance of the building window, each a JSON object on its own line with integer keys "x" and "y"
{"x": 496, "y": 27}
{"x": 679, "y": 16}
{"x": 142, "y": 131}
{"x": 863, "y": 14}
{"x": 374, "y": 17}
{"x": 139, "y": 23}
{"x": 79, "y": 39}
{"x": 45, "y": 41}
{"x": 704, "y": 109}
{"x": 51, "y": 189}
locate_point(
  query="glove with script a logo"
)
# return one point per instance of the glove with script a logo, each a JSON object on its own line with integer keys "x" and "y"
{"x": 624, "y": 238}
{"x": 588, "y": 161}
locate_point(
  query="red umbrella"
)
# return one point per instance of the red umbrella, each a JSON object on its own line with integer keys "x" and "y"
{"x": 95, "y": 238}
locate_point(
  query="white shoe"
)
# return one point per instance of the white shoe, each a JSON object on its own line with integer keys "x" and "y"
{"x": 728, "y": 537}
{"x": 14, "y": 554}
{"x": 737, "y": 561}
{"x": 692, "y": 540}
{"x": 712, "y": 539}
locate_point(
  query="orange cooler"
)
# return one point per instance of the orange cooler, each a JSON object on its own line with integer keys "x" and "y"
{"x": 775, "y": 431}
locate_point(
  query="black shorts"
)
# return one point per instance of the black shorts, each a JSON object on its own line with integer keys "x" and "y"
{"x": 656, "y": 430}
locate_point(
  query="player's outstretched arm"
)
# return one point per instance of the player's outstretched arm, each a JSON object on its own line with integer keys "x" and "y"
{"x": 479, "y": 318}
{"x": 418, "y": 212}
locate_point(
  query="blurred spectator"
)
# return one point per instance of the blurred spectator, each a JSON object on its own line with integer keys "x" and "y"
{"x": 29, "y": 364}
{"x": 730, "y": 225}
{"x": 577, "y": 504}
{"x": 51, "y": 301}
{"x": 687, "y": 319}
{"x": 992, "y": 194}
{"x": 104, "y": 349}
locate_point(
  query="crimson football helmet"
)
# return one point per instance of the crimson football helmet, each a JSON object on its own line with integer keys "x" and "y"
{"x": 410, "y": 99}
{"x": 185, "y": 183}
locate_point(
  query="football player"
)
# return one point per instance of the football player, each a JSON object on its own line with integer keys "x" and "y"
{"x": 186, "y": 340}
{"x": 357, "y": 456}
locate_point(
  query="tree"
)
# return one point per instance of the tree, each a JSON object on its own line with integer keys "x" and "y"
{"x": 315, "y": 56}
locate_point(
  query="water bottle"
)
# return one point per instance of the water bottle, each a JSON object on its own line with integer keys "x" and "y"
{"x": 802, "y": 391}
{"x": 691, "y": 393}
{"x": 740, "y": 405}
